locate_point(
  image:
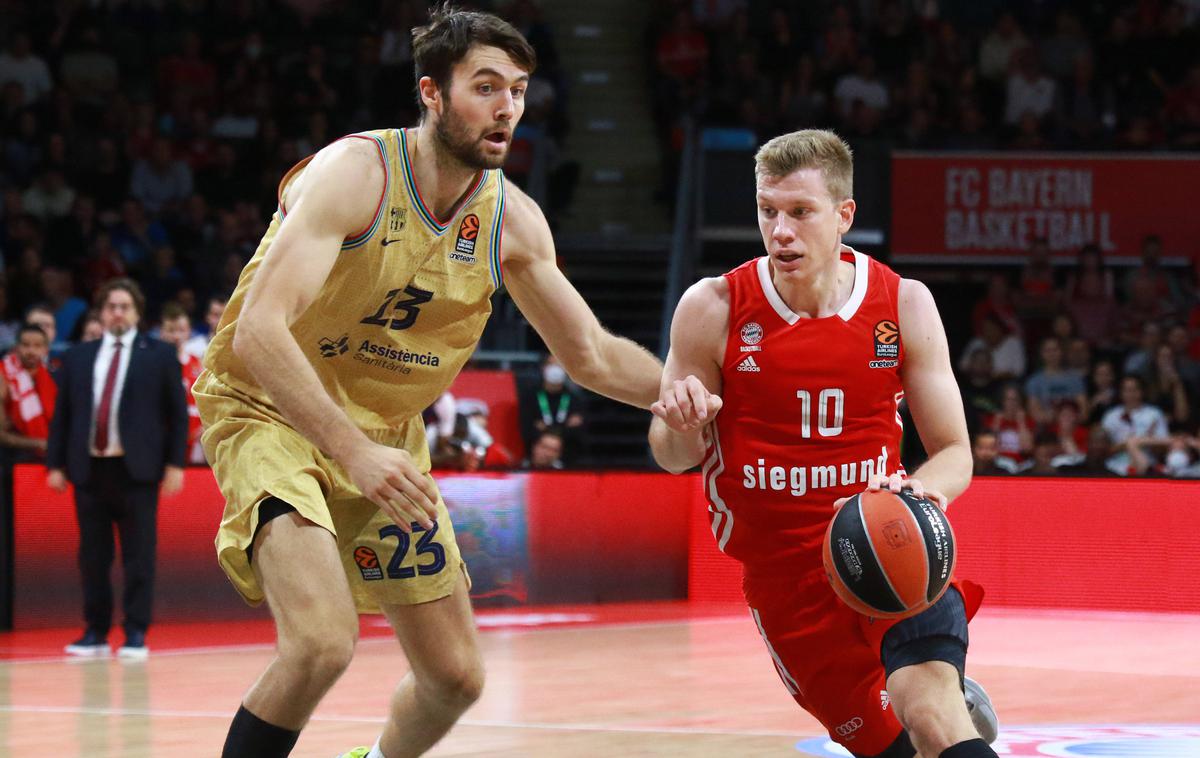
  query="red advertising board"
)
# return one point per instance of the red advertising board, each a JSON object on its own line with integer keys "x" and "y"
{"x": 1106, "y": 544}
{"x": 554, "y": 537}
{"x": 987, "y": 207}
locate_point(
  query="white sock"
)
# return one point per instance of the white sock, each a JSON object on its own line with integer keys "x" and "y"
{"x": 375, "y": 751}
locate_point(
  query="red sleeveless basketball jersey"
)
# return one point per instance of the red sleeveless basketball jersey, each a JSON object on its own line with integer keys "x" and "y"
{"x": 809, "y": 415}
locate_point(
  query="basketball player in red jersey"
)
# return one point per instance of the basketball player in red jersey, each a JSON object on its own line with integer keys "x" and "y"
{"x": 783, "y": 379}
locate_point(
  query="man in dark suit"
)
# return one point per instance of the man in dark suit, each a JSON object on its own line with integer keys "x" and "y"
{"x": 119, "y": 430}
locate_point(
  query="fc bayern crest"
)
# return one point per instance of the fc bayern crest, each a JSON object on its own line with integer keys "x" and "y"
{"x": 1126, "y": 740}
{"x": 752, "y": 333}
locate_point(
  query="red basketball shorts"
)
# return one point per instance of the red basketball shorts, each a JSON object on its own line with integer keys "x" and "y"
{"x": 829, "y": 657}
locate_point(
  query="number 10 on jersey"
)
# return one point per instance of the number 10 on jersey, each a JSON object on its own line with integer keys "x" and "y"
{"x": 830, "y": 405}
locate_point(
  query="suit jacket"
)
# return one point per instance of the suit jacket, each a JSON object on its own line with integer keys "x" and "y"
{"x": 151, "y": 417}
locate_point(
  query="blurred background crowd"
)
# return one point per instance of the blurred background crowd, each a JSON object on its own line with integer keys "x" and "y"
{"x": 145, "y": 138}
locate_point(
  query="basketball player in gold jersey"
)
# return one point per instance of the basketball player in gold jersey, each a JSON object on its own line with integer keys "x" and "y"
{"x": 366, "y": 295}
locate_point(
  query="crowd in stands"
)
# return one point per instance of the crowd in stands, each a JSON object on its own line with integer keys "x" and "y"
{"x": 146, "y": 139}
{"x": 979, "y": 75}
{"x": 552, "y": 415}
{"x": 1081, "y": 371}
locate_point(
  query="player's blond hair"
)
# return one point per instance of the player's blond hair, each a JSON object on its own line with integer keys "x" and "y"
{"x": 809, "y": 148}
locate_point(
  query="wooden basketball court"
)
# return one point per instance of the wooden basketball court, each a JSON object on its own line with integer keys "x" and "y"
{"x": 645, "y": 680}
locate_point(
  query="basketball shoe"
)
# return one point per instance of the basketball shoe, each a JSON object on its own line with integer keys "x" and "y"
{"x": 983, "y": 713}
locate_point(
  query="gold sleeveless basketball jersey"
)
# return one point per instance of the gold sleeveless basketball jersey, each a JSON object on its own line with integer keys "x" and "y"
{"x": 403, "y": 306}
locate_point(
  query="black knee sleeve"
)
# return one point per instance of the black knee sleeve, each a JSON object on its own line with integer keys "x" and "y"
{"x": 901, "y": 747}
{"x": 975, "y": 748}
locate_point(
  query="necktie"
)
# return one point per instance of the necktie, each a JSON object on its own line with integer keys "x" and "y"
{"x": 104, "y": 411}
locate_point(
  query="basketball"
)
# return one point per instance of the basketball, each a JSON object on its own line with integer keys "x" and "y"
{"x": 889, "y": 555}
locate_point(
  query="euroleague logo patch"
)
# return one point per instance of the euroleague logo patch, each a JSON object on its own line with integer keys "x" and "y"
{"x": 887, "y": 339}
{"x": 1127, "y": 740}
{"x": 464, "y": 246}
{"x": 368, "y": 563}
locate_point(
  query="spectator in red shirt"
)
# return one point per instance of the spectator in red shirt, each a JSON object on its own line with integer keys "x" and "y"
{"x": 998, "y": 303}
{"x": 1091, "y": 298}
{"x": 1145, "y": 308}
{"x": 188, "y": 72}
{"x": 1071, "y": 434}
{"x": 1013, "y": 426}
{"x": 682, "y": 50}
{"x": 1037, "y": 299}
{"x": 27, "y": 393}
{"x": 1167, "y": 288}
{"x": 176, "y": 329}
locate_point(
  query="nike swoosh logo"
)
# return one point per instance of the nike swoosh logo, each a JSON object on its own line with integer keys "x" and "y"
{"x": 387, "y": 242}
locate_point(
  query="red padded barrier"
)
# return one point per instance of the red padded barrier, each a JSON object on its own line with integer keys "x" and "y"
{"x": 1112, "y": 544}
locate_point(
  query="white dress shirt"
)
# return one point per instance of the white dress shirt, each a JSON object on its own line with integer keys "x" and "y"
{"x": 99, "y": 376}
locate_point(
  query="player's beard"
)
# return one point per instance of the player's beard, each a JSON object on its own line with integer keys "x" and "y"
{"x": 455, "y": 138}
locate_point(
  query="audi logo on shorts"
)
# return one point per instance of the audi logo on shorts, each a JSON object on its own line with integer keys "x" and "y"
{"x": 850, "y": 727}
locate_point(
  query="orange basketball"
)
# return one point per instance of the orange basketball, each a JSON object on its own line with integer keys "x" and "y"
{"x": 889, "y": 555}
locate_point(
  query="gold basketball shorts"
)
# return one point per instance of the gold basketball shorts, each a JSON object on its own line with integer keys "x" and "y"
{"x": 256, "y": 455}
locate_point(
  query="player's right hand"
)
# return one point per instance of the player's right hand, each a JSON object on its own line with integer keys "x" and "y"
{"x": 389, "y": 478}
{"x": 686, "y": 404}
{"x": 56, "y": 480}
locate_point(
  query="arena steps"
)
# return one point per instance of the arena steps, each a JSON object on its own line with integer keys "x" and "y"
{"x": 612, "y": 133}
{"x": 623, "y": 283}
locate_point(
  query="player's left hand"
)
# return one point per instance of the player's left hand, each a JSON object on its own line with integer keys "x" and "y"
{"x": 687, "y": 405}
{"x": 897, "y": 482}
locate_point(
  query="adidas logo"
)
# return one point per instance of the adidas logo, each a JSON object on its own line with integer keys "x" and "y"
{"x": 749, "y": 365}
{"x": 884, "y": 700}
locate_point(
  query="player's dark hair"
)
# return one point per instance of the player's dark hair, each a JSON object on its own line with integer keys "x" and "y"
{"x": 39, "y": 306}
{"x": 449, "y": 36}
{"x": 33, "y": 328}
{"x": 125, "y": 284}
